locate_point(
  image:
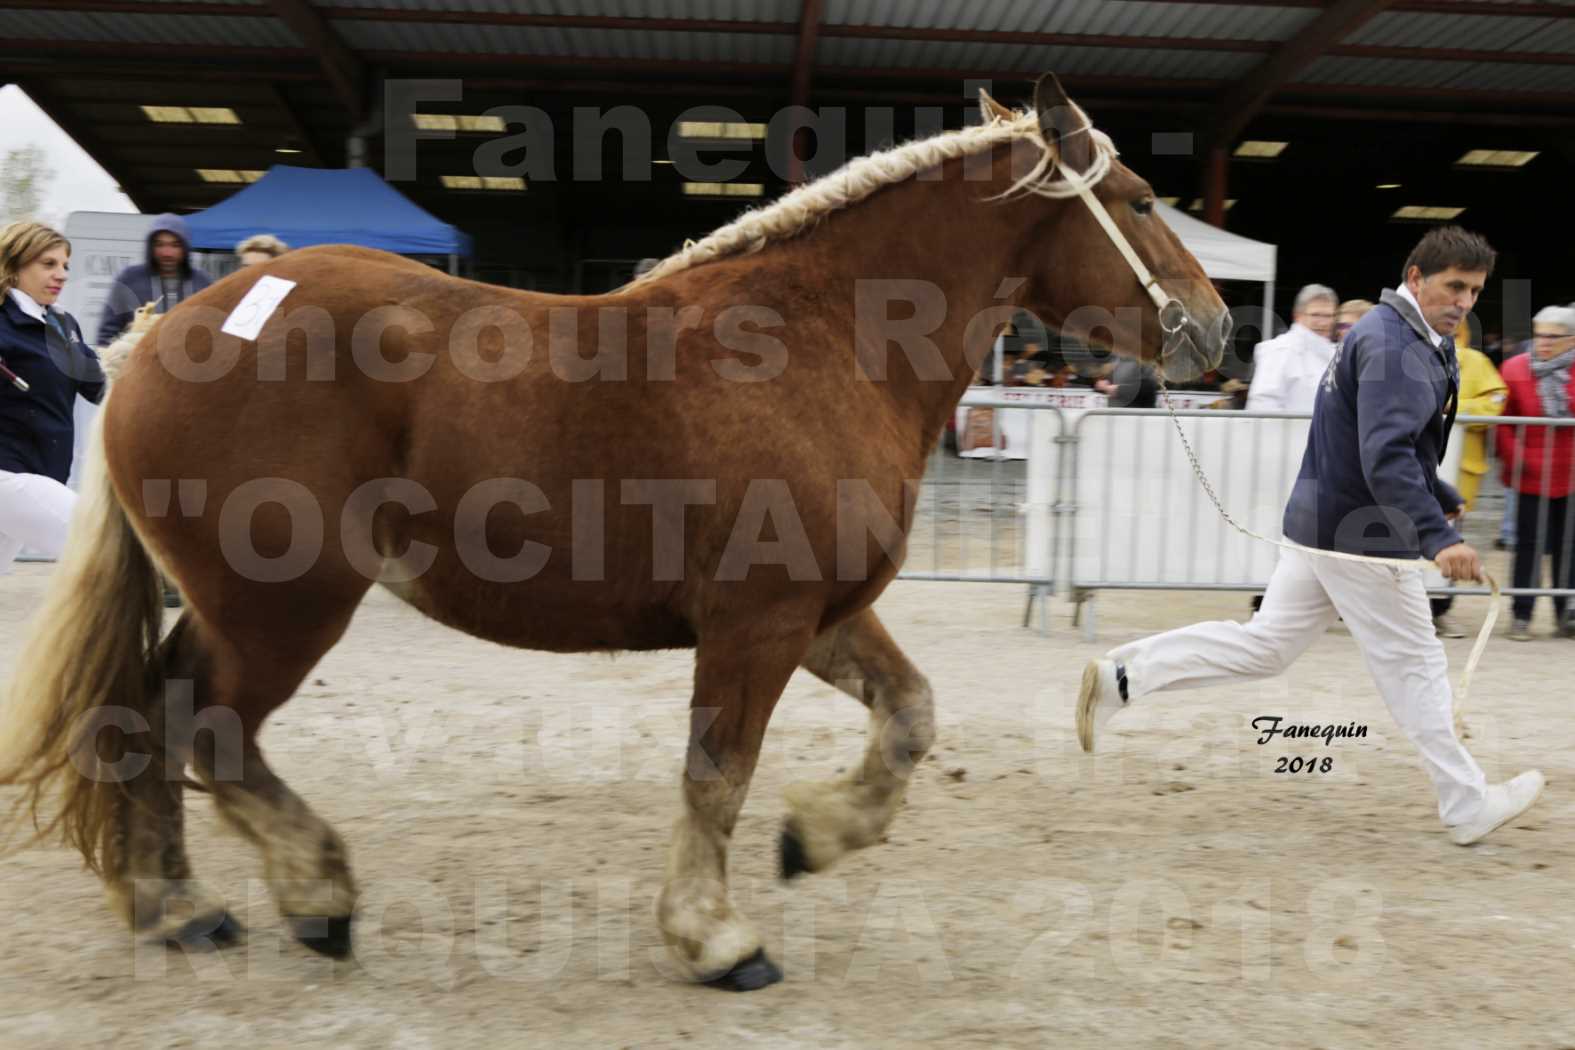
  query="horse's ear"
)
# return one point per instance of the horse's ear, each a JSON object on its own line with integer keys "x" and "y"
{"x": 1063, "y": 125}
{"x": 990, "y": 109}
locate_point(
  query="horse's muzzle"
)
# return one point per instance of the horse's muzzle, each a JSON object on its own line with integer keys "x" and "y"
{"x": 1196, "y": 349}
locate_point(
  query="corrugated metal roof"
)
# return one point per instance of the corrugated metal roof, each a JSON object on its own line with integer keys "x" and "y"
{"x": 220, "y": 30}
{"x": 733, "y": 10}
{"x": 1384, "y": 73}
{"x": 1478, "y": 32}
{"x": 1497, "y": 76}
{"x": 1077, "y": 16}
{"x": 1032, "y": 59}
{"x": 568, "y": 43}
{"x": 1556, "y": 38}
{"x": 1002, "y": 15}
{"x": 1090, "y": 17}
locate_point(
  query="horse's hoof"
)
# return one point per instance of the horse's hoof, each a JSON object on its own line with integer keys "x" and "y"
{"x": 323, "y": 934}
{"x": 208, "y": 931}
{"x": 749, "y": 975}
{"x": 791, "y": 850}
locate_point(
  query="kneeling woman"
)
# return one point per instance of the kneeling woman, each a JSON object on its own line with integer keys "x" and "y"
{"x": 44, "y": 365}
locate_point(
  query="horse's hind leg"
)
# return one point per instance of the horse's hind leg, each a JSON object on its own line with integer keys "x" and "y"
{"x": 255, "y": 670}
{"x": 740, "y": 671}
{"x": 304, "y": 860}
{"x": 829, "y": 818}
{"x": 144, "y": 860}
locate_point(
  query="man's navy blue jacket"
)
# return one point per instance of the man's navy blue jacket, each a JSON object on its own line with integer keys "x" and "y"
{"x": 1369, "y": 478}
{"x": 36, "y": 427}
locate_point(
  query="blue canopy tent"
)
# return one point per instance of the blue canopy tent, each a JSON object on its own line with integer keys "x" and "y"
{"x": 306, "y": 206}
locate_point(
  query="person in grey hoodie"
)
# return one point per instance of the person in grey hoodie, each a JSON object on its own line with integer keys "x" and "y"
{"x": 165, "y": 277}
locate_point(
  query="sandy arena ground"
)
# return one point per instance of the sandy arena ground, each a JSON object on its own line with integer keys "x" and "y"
{"x": 508, "y": 812}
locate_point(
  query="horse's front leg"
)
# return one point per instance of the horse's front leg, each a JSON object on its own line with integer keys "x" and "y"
{"x": 740, "y": 671}
{"x": 829, "y": 818}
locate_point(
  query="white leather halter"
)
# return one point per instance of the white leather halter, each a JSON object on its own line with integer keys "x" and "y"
{"x": 1172, "y": 314}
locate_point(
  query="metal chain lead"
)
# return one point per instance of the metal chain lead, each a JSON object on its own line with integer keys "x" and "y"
{"x": 1197, "y": 468}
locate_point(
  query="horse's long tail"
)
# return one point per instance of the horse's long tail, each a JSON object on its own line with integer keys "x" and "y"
{"x": 89, "y": 661}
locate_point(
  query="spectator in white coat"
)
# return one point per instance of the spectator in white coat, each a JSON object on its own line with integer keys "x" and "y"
{"x": 1287, "y": 369}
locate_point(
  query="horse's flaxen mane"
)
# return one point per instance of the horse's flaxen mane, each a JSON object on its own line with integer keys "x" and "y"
{"x": 859, "y": 178}
{"x": 113, "y": 357}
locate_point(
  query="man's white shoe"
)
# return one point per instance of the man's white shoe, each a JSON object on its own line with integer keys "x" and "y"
{"x": 1102, "y": 695}
{"x": 1502, "y": 803}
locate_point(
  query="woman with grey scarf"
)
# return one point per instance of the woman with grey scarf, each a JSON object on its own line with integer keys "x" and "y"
{"x": 1539, "y": 463}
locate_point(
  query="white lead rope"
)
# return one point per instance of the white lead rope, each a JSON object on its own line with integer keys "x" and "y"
{"x": 1083, "y": 183}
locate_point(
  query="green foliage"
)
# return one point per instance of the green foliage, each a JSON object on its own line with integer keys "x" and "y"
{"x": 25, "y": 175}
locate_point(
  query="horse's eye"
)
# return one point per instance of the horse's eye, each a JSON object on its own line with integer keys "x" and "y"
{"x": 1144, "y": 206}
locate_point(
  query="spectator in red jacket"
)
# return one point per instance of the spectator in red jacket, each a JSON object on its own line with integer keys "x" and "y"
{"x": 1539, "y": 462}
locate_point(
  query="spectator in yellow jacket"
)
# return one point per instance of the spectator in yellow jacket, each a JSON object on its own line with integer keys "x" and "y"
{"x": 1482, "y": 393}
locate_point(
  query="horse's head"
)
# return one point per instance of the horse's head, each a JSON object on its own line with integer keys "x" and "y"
{"x": 1158, "y": 306}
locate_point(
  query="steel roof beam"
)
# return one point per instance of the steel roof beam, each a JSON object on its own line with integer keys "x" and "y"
{"x": 309, "y": 148}
{"x": 715, "y": 25}
{"x": 1248, "y": 95}
{"x": 31, "y": 59}
{"x": 803, "y": 67}
{"x": 343, "y": 68}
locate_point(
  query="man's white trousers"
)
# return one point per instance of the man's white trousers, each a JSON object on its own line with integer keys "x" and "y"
{"x": 1387, "y": 611}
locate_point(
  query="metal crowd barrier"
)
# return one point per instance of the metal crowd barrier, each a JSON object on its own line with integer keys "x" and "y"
{"x": 1141, "y": 520}
{"x": 1107, "y": 500}
{"x": 991, "y": 519}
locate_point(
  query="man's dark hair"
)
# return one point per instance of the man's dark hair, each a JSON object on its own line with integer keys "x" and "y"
{"x": 1449, "y": 246}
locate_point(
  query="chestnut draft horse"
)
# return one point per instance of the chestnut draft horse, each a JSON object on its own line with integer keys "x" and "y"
{"x": 697, "y": 493}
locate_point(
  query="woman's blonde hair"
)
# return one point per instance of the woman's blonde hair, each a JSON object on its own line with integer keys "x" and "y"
{"x": 1359, "y": 307}
{"x": 20, "y": 244}
{"x": 262, "y": 242}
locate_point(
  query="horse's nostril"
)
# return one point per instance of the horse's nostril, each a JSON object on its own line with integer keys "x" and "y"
{"x": 1226, "y": 326}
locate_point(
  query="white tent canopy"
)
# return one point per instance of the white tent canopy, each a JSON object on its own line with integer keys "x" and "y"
{"x": 1224, "y": 256}
{"x": 1227, "y": 256}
